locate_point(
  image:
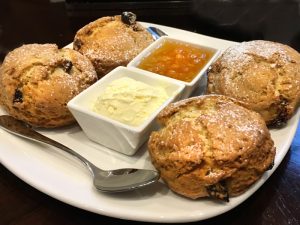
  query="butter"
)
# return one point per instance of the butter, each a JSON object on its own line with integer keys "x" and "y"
{"x": 129, "y": 101}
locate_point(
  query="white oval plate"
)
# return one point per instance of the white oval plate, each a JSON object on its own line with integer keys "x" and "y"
{"x": 62, "y": 177}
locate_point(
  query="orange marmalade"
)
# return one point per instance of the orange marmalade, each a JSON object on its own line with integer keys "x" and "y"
{"x": 177, "y": 60}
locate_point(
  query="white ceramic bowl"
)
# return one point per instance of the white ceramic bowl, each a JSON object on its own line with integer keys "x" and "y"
{"x": 111, "y": 133}
{"x": 189, "y": 86}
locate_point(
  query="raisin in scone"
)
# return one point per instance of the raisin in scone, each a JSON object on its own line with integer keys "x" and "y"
{"x": 37, "y": 81}
{"x": 211, "y": 146}
{"x": 112, "y": 41}
{"x": 264, "y": 74}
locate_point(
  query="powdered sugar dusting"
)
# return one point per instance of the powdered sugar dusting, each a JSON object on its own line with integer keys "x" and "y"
{"x": 207, "y": 139}
{"x": 241, "y": 54}
{"x": 108, "y": 42}
{"x": 263, "y": 74}
{"x": 46, "y": 78}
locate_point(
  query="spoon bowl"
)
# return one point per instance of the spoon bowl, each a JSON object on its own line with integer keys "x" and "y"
{"x": 119, "y": 180}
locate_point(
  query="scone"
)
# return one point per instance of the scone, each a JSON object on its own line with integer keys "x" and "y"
{"x": 264, "y": 74}
{"x": 112, "y": 41}
{"x": 211, "y": 146}
{"x": 37, "y": 81}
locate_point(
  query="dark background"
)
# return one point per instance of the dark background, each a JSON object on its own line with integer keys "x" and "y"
{"x": 29, "y": 21}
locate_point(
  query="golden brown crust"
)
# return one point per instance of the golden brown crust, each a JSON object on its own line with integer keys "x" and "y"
{"x": 37, "y": 81}
{"x": 264, "y": 74}
{"x": 211, "y": 146}
{"x": 108, "y": 42}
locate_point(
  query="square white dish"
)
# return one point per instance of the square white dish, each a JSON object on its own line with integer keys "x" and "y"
{"x": 189, "y": 86}
{"x": 112, "y": 133}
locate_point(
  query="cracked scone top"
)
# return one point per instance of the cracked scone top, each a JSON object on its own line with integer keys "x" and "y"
{"x": 112, "y": 41}
{"x": 211, "y": 146}
{"x": 263, "y": 74}
{"x": 37, "y": 81}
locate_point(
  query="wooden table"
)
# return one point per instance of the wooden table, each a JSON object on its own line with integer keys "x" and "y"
{"x": 276, "y": 202}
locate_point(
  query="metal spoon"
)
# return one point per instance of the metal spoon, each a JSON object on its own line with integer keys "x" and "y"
{"x": 104, "y": 180}
{"x": 156, "y": 32}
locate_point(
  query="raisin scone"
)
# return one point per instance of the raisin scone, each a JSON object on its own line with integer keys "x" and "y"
{"x": 112, "y": 41}
{"x": 211, "y": 146}
{"x": 264, "y": 74}
{"x": 38, "y": 80}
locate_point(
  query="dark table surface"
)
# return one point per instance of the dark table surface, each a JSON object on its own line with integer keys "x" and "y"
{"x": 41, "y": 21}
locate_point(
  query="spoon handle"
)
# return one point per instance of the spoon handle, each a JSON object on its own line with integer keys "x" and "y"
{"x": 156, "y": 33}
{"x": 23, "y": 129}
